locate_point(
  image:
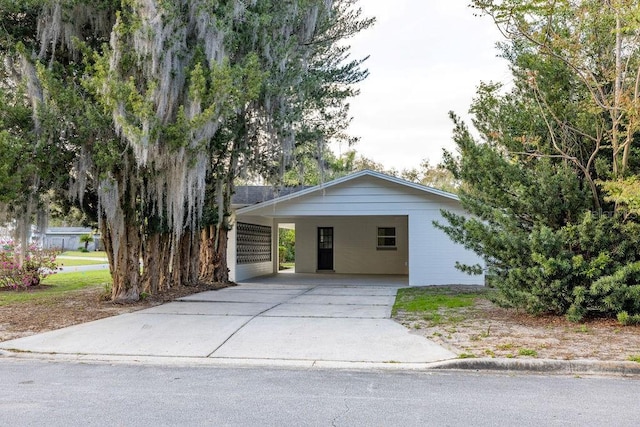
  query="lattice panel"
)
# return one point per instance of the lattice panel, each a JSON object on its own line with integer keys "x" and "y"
{"x": 253, "y": 243}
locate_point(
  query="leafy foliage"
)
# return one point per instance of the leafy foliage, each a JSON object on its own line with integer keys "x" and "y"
{"x": 287, "y": 250}
{"x": 551, "y": 183}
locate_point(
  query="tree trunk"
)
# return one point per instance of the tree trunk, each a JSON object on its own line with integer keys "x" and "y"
{"x": 221, "y": 274}
{"x": 207, "y": 254}
{"x": 151, "y": 264}
{"x": 124, "y": 262}
{"x": 186, "y": 260}
{"x": 213, "y": 255}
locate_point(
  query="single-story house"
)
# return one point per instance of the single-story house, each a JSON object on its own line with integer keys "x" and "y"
{"x": 363, "y": 223}
{"x": 68, "y": 238}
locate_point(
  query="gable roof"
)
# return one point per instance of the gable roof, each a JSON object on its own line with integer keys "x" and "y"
{"x": 347, "y": 178}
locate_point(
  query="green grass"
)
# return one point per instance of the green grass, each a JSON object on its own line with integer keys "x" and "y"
{"x": 99, "y": 254}
{"x": 76, "y": 262}
{"x": 77, "y": 254}
{"x": 634, "y": 358}
{"x": 287, "y": 265}
{"x": 60, "y": 284}
{"x": 430, "y": 299}
{"x": 527, "y": 352}
{"x": 437, "y": 305}
{"x": 466, "y": 356}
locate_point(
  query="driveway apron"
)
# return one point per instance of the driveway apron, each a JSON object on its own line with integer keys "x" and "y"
{"x": 266, "y": 321}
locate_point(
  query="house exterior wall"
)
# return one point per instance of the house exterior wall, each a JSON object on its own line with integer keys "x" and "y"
{"x": 68, "y": 238}
{"x": 433, "y": 256}
{"x": 355, "y": 244}
{"x": 239, "y": 272}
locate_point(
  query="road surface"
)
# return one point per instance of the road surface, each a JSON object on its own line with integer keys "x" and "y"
{"x": 74, "y": 394}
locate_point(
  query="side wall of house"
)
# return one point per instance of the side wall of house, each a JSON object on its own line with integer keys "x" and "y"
{"x": 433, "y": 256}
{"x": 355, "y": 244}
{"x": 239, "y": 271}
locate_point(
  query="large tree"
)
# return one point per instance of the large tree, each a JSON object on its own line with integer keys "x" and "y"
{"x": 552, "y": 238}
{"x": 190, "y": 95}
{"x": 45, "y": 117}
{"x": 301, "y": 104}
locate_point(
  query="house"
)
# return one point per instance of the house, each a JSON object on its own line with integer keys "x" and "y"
{"x": 68, "y": 238}
{"x": 363, "y": 223}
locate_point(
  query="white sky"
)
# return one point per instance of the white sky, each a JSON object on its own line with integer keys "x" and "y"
{"x": 427, "y": 57}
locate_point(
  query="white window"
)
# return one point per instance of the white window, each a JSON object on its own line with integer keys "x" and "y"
{"x": 386, "y": 238}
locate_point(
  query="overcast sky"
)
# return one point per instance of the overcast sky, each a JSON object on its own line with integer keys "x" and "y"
{"x": 427, "y": 58}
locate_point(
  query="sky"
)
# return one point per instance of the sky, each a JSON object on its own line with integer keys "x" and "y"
{"x": 427, "y": 57}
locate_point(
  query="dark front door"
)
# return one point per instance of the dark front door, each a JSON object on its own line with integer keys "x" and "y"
{"x": 325, "y": 248}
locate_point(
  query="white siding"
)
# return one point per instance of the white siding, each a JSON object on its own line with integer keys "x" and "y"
{"x": 239, "y": 272}
{"x": 355, "y": 241}
{"x": 362, "y": 196}
{"x": 433, "y": 256}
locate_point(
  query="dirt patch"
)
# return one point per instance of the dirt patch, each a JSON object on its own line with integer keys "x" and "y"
{"x": 485, "y": 330}
{"x": 31, "y": 317}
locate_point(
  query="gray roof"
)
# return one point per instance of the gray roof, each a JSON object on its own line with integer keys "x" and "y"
{"x": 251, "y": 194}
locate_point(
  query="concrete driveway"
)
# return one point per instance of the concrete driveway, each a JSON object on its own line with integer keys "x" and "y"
{"x": 282, "y": 319}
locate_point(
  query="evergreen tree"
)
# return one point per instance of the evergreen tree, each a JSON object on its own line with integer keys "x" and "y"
{"x": 537, "y": 180}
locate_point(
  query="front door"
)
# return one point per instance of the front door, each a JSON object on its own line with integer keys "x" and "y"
{"x": 325, "y": 248}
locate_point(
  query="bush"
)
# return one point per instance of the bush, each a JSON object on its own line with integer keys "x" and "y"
{"x": 38, "y": 264}
{"x": 587, "y": 269}
{"x": 625, "y": 319}
{"x": 617, "y": 293}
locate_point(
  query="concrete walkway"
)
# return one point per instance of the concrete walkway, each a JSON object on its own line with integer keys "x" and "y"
{"x": 281, "y": 320}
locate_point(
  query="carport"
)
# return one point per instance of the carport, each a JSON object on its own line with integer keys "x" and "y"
{"x": 366, "y": 223}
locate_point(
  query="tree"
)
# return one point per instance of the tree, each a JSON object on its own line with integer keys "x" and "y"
{"x": 556, "y": 233}
{"x": 44, "y": 117}
{"x": 189, "y": 94}
{"x": 301, "y": 105}
{"x": 598, "y": 46}
{"x": 431, "y": 176}
{"x": 86, "y": 239}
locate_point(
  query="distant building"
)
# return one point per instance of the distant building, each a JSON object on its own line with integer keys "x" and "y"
{"x": 68, "y": 238}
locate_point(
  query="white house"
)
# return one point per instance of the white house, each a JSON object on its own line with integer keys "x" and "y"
{"x": 68, "y": 238}
{"x": 363, "y": 223}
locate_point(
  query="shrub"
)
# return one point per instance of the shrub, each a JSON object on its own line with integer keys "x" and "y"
{"x": 587, "y": 269}
{"x": 38, "y": 263}
{"x": 613, "y": 294}
{"x": 625, "y": 319}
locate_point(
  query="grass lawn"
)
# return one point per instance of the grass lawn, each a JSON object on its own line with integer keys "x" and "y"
{"x": 433, "y": 302}
{"x": 87, "y": 258}
{"x": 75, "y": 262}
{"x": 60, "y": 283}
{"x": 98, "y": 254}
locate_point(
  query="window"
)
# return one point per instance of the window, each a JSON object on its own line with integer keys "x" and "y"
{"x": 386, "y": 238}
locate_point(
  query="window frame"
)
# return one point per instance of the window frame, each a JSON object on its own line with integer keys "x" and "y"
{"x": 381, "y": 234}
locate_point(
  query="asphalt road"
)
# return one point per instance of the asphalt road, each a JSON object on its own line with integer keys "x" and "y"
{"x": 37, "y": 393}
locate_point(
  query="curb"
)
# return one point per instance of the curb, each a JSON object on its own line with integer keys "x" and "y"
{"x": 533, "y": 366}
{"x": 549, "y": 366}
